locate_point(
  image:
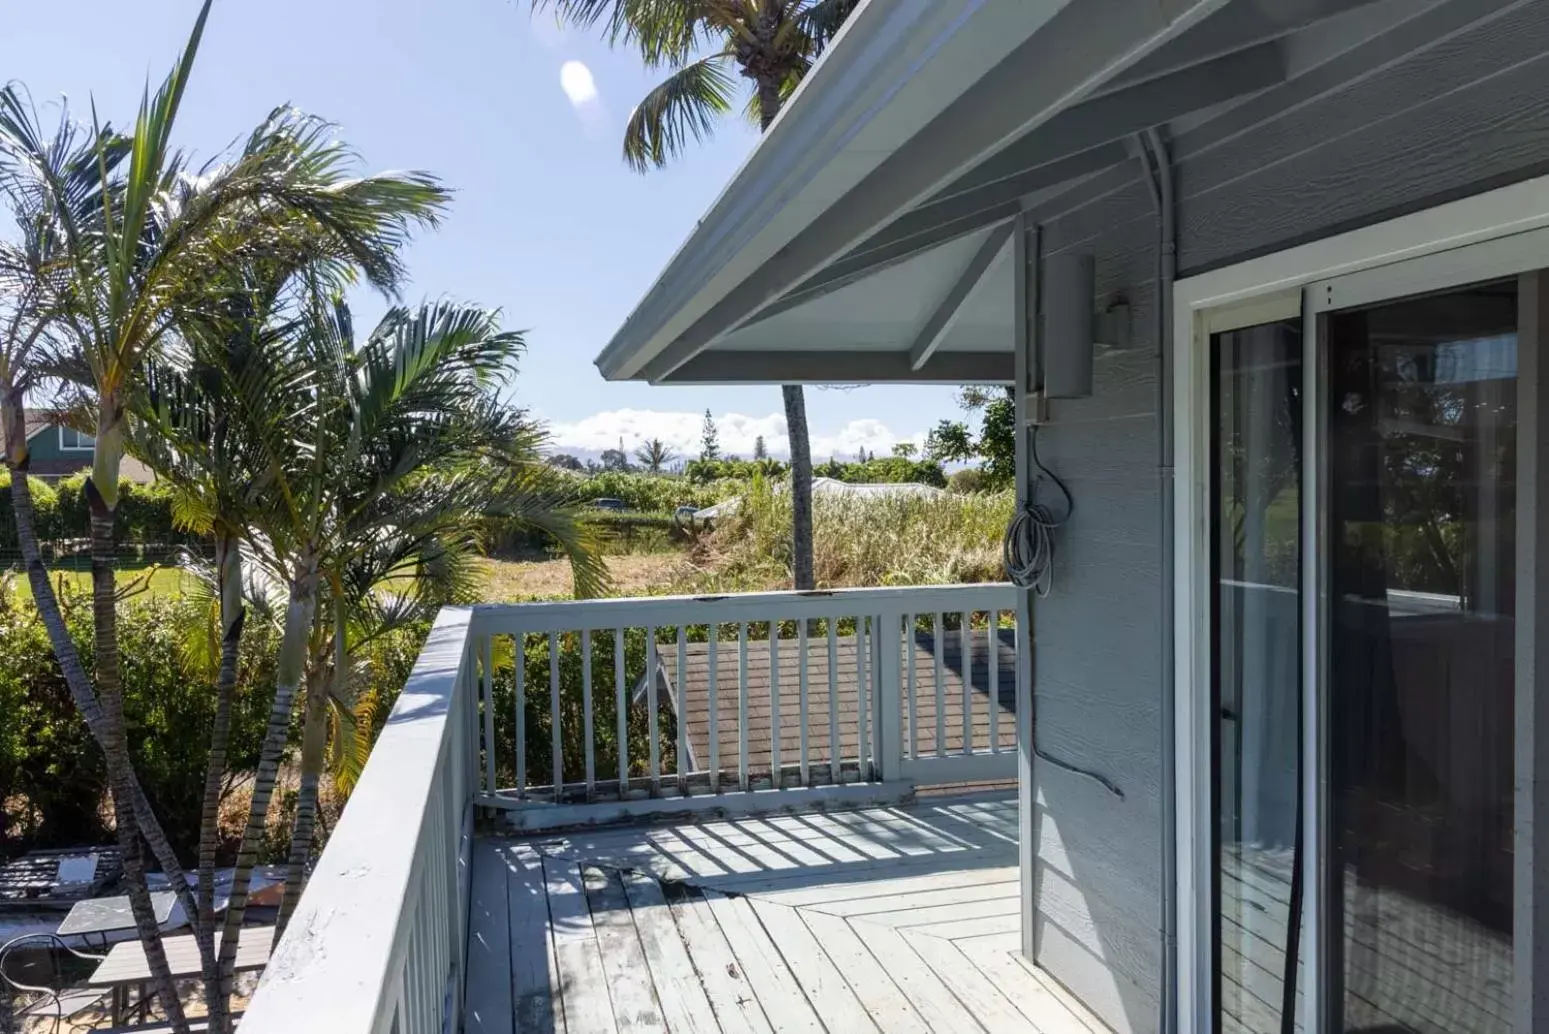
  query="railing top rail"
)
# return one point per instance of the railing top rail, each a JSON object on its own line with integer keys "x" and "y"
{"x": 336, "y": 963}
{"x": 568, "y": 615}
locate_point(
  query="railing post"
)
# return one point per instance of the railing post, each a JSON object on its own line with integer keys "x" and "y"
{"x": 886, "y": 696}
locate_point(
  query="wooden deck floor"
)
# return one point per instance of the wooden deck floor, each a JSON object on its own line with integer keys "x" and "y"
{"x": 886, "y": 919}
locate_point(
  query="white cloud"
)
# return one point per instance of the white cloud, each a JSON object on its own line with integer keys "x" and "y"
{"x": 681, "y": 431}
{"x": 577, "y": 82}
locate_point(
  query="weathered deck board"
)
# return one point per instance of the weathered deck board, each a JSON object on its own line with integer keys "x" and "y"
{"x": 883, "y": 920}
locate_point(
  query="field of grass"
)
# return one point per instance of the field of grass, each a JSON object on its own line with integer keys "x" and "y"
{"x": 159, "y": 579}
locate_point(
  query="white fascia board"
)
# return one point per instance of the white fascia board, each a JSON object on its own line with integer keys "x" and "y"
{"x": 896, "y": 66}
{"x": 843, "y": 126}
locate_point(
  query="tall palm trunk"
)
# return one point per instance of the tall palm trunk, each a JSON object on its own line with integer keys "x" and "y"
{"x": 314, "y": 744}
{"x": 795, "y": 413}
{"x": 288, "y": 672}
{"x": 228, "y": 565}
{"x": 102, "y": 496}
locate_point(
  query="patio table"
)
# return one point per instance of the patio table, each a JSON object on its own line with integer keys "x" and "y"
{"x": 99, "y": 917}
{"x": 125, "y": 966}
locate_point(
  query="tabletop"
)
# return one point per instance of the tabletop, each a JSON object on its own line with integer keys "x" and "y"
{"x": 125, "y": 963}
{"x": 105, "y": 915}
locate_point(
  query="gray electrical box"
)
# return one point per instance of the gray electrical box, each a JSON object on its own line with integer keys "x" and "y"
{"x": 1069, "y": 289}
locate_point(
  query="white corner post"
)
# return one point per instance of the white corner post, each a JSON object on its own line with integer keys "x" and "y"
{"x": 1531, "y": 881}
{"x": 1025, "y": 277}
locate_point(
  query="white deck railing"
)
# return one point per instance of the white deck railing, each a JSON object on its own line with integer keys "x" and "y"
{"x": 565, "y": 713}
{"x": 377, "y": 943}
{"x": 683, "y": 700}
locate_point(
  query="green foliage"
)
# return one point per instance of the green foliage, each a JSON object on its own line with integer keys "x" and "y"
{"x": 709, "y": 439}
{"x": 705, "y": 472}
{"x": 968, "y": 480}
{"x": 537, "y": 713}
{"x": 643, "y": 492}
{"x": 890, "y": 470}
{"x": 951, "y": 441}
{"x": 145, "y": 513}
{"x": 51, "y": 773}
{"x": 45, "y": 503}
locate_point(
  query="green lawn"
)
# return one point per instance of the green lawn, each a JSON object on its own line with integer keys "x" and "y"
{"x": 163, "y": 580}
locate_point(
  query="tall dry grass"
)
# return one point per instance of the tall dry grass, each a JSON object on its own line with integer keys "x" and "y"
{"x": 894, "y": 540}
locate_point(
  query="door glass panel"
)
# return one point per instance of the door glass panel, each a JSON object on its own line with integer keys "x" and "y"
{"x": 1422, "y": 503}
{"x": 1256, "y": 378}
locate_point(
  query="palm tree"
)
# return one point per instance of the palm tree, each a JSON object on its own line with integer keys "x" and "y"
{"x": 123, "y": 272}
{"x": 655, "y": 455}
{"x": 374, "y": 455}
{"x": 771, "y": 43}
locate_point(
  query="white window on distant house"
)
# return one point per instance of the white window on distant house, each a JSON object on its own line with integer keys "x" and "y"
{"x": 71, "y": 440}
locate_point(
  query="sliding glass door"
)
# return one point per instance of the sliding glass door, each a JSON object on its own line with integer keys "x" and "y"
{"x": 1256, "y": 380}
{"x": 1421, "y": 475}
{"x": 1384, "y": 828}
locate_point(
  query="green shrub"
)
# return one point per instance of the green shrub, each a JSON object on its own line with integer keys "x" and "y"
{"x": 968, "y": 480}
{"x": 649, "y": 493}
{"x": 144, "y": 513}
{"x": 45, "y": 505}
{"x": 51, "y": 774}
{"x": 892, "y": 470}
{"x": 537, "y": 713}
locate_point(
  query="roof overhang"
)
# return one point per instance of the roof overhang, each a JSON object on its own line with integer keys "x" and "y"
{"x": 866, "y": 238}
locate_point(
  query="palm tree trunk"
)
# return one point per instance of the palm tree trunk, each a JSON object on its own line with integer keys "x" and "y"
{"x": 314, "y": 742}
{"x": 795, "y": 415}
{"x": 228, "y": 563}
{"x": 801, "y": 487}
{"x": 101, "y": 492}
{"x": 288, "y": 671}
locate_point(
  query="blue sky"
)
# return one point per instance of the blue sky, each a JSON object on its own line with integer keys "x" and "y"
{"x": 548, "y": 223}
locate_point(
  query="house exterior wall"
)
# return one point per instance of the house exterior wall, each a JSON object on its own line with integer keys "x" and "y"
{"x": 1467, "y": 114}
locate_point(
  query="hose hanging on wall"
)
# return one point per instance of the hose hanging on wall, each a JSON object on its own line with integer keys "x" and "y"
{"x": 1028, "y": 549}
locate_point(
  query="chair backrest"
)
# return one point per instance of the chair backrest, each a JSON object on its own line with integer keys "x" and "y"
{"x": 26, "y": 941}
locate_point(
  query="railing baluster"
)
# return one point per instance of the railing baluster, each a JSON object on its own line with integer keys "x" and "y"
{"x": 909, "y": 658}
{"x": 714, "y": 760}
{"x": 938, "y": 647}
{"x": 774, "y": 703}
{"x": 801, "y": 649}
{"x": 742, "y": 706}
{"x": 521, "y": 714}
{"x": 835, "y": 764}
{"x": 654, "y": 732}
{"x": 994, "y": 677}
{"x": 556, "y": 740}
{"x": 621, "y": 696}
{"x": 489, "y": 715}
{"x": 590, "y": 731}
{"x": 863, "y": 673}
{"x": 680, "y": 710}
{"x": 965, "y": 641}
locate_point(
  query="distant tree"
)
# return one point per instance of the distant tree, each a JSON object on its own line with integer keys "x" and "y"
{"x": 565, "y": 461}
{"x": 950, "y": 441}
{"x": 655, "y": 455}
{"x": 709, "y": 439}
{"x": 760, "y": 450}
{"x": 615, "y": 459}
{"x": 905, "y": 449}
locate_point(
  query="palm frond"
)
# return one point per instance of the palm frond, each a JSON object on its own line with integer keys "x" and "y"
{"x": 664, "y": 32}
{"x": 685, "y": 106}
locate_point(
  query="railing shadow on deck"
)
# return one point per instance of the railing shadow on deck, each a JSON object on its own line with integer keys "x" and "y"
{"x": 788, "y": 851}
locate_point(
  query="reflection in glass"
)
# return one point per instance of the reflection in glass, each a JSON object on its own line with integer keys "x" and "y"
{"x": 1256, "y": 417}
{"x": 1422, "y": 502}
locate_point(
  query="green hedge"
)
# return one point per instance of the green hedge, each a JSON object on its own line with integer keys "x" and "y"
{"x": 51, "y": 773}
{"x": 144, "y": 513}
